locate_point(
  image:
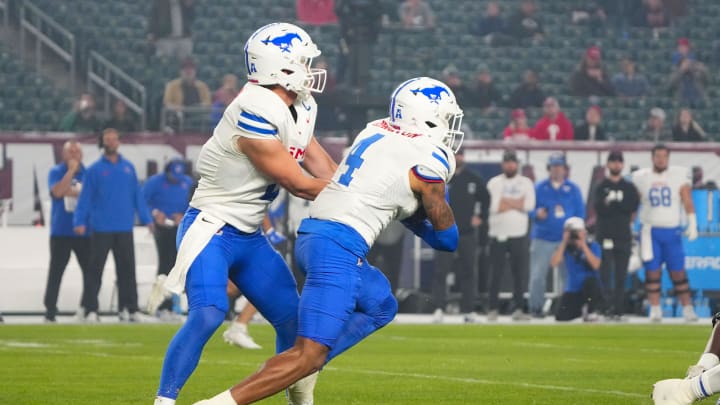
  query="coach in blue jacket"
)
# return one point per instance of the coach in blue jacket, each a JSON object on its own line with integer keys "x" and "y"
{"x": 106, "y": 207}
{"x": 556, "y": 199}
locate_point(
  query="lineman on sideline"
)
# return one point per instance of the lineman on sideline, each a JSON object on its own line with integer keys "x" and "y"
{"x": 664, "y": 191}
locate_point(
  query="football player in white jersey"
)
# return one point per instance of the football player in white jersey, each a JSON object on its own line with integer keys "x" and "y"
{"x": 394, "y": 166}
{"x": 664, "y": 191}
{"x": 256, "y": 148}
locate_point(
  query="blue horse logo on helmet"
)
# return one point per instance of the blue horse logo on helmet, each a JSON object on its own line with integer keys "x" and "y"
{"x": 284, "y": 42}
{"x": 433, "y": 93}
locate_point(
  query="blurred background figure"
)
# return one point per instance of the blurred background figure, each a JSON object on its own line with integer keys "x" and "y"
{"x": 518, "y": 129}
{"x": 492, "y": 26}
{"x": 554, "y": 125}
{"x": 688, "y": 81}
{"x": 187, "y": 90}
{"x": 528, "y": 93}
{"x": 615, "y": 202}
{"x": 65, "y": 182}
{"x": 484, "y": 94}
{"x": 591, "y": 78}
{"x": 512, "y": 198}
{"x": 591, "y": 129}
{"x": 583, "y": 295}
{"x": 654, "y": 129}
{"x": 470, "y": 202}
{"x": 83, "y": 117}
{"x": 222, "y": 97}
{"x": 169, "y": 27}
{"x": 628, "y": 83}
{"x": 556, "y": 199}
{"x": 316, "y": 12}
{"x": 106, "y": 208}
{"x": 360, "y": 22}
{"x": 686, "y": 129}
{"x": 416, "y": 14}
{"x": 525, "y": 24}
{"x": 167, "y": 195}
{"x": 122, "y": 119}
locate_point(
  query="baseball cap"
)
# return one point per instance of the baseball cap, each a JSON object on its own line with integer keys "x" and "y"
{"x": 517, "y": 113}
{"x": 176, "y": 167}
{"x": 574, "y": 224}
{"x": 615, "y": 155}
{"x": 509, "y": 155}
{"x": 556, "y": 159}
{"x": 683, "y": 41}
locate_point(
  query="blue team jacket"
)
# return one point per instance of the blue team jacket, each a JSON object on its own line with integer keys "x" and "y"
{"x": 109, "y": 198}
{"x": 169, "y": 197}
{"x": 567, "y": 196}
{"x": 61, "y": 221}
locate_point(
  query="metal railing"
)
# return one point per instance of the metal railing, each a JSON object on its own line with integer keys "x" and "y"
{"x": 114, "y": 82}
{"x": 46, "y": 31}
{"x": 187, "y": 119}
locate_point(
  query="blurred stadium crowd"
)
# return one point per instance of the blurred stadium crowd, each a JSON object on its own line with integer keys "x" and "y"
{"x": 638, "y": 70}
{"x": 632, "y": 70}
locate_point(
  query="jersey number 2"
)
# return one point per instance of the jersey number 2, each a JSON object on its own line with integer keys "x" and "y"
{"x": 660, "y": 196}
{"x": 355, "y": 160}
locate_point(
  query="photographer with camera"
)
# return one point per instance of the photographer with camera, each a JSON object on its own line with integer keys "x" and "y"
{"x": 583, "y": 289}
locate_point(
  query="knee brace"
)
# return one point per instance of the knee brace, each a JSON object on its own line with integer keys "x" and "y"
{"x": 652, "y": 286}
{"x": 681, "y": 286}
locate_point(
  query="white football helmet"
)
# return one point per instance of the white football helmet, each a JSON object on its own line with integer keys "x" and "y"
{"x": 429, "y": 106}
{"x": 282, "y": 53}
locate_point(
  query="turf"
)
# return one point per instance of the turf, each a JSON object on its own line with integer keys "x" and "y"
{"x": 402, "y": 364}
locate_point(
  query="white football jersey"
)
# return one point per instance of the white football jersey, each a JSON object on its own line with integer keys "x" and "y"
{"x": 660, "y": 203}
{"x": 371, "y": 186}
{"x": 230, "y": 187}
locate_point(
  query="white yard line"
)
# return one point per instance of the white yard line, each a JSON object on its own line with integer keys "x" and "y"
{"x": 465, "y": 380}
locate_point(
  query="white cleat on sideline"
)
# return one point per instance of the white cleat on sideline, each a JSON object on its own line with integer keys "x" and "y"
{"x": 655, "y": 314}
{"x": 674, "y": 391}
{"x": 237, "y": 334}
{"x": 689, "y": 314}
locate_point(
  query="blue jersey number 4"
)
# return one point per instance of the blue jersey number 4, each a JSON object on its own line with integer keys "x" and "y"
{"x": 355, "y": 160}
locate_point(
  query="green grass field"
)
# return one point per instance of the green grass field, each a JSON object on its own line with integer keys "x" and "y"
{"x": 402, "y": 364}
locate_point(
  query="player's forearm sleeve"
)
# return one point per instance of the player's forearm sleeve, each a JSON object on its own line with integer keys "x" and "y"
{"x": 446, "y": 240}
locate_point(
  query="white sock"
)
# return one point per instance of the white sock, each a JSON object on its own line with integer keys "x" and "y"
{"x": 163, "y": 401}
{"x": 708, "y": 361}
{"x": 707, "y": 383}
{"x": 223, "y": 398}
